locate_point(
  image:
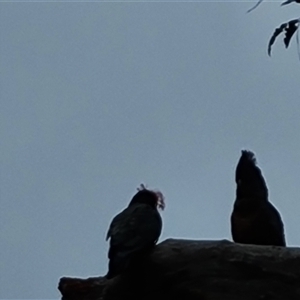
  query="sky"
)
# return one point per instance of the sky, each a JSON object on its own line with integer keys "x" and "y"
{"x": 99, "y": 97}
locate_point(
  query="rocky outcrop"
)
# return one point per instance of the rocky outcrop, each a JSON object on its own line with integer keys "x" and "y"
{"x": 202, "y": 270}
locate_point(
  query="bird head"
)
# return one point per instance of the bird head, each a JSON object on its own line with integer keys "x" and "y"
{"x": 153, "y": 198}
{"x": 248, "y": 176}
{"x": 246, "y": 168}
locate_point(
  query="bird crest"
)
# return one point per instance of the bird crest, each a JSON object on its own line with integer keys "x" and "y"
{"x": 158, "y": 194}
{"x": 248, "y": 155}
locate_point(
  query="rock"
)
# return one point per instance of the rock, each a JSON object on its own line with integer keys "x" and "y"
{"x": 74, "y": 288}
{"x": 202, "y": 270}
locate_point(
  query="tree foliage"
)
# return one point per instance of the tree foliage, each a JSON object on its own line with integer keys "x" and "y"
{"x": 288, "y": 29}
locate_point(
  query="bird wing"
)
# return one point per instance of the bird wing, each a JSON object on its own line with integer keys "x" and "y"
{"x": 274, "y": 223}
{"x": 135, "y": 228}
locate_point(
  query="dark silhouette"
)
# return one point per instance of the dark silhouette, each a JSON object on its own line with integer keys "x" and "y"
{"x": 257, "y": 4}
{"x": 290, "y": 1}
{"x": 254, "y": 219}
{"x": 282, "y": 4}
{"x": 134, "y": 231}
{"x": 289, "y": 28}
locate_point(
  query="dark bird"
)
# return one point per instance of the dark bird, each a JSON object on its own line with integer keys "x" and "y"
{"x": 135, "y": 231}
{"x": 254, "y": 219}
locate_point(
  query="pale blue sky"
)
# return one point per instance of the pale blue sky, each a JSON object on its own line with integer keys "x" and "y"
{"x": 97, "y": 98}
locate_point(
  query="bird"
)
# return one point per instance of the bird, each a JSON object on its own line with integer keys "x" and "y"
{"x": 135, "y": 231}
{"x": 254, "y": 219}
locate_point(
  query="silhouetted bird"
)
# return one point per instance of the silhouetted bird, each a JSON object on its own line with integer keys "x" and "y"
{"x": 134, "y": 231}
{"x": 254, "y": 219}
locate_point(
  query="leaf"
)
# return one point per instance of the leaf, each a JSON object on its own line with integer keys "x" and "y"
{"x": 289, "y": 1}
{"x": 274, "y": 36}
{"x": 257, "y": 4}
{"x": 289, "y": 31}
{"x": 289, "y": 28}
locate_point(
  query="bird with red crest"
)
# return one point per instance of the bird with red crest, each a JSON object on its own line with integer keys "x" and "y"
{"x": 134, "y": 231}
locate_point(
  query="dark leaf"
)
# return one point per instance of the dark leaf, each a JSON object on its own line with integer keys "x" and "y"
{"x": 274, "y": 36}
{"x": 289, "y": 1}
{"x": 289, "y": 31}
{"x": 289, "y": 28}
